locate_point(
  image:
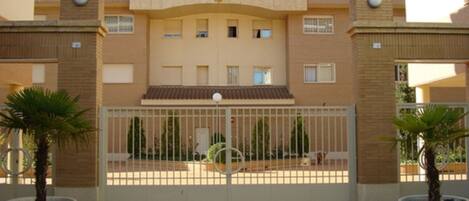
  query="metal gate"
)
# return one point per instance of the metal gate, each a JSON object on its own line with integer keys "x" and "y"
{"x": 237, "y": 153}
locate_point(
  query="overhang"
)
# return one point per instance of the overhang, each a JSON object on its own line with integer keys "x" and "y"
{"x": 274, "y": 5}
{"x": 232, "y": 95}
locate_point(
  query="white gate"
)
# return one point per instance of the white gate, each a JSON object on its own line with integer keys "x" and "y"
{"x": 254, "y": 153}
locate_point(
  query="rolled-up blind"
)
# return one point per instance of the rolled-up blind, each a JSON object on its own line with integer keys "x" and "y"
{"x": 173, "y": 26}
{"x": 202, "y": 25}
{"x": 262, "y": 24}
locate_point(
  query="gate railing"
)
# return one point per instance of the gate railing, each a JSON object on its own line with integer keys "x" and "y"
{"x": 452, "y": 159}
{"x": 16, "y": 158}
{"x": 218, "y": 146}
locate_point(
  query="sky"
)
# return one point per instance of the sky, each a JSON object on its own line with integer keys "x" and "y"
{"x": 432, "y": 10}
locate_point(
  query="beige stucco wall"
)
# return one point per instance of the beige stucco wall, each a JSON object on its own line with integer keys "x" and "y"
{"x": 217, "y": 51}
{"x": 316, "y": 48}
{"x": 17, "y": 74}
{"x": 17, "y": 9}
{"x": 447, "y": 94}
{"x": 281, "y": 5}
{"x": 429, "y": 74}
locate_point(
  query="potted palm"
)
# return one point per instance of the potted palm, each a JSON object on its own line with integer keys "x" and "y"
{"x": 437, "y": 126}
{"x": 49, "y": 118}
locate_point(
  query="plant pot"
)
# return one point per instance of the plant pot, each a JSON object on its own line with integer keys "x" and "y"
{"x": 425, "y": 198}
{"x": 49, "y": 198}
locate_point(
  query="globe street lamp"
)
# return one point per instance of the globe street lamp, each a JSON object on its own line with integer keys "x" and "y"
{"x": 217, "y": 97}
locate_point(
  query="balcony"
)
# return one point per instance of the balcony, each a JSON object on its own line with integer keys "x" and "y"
{"x": 273, "y": 5}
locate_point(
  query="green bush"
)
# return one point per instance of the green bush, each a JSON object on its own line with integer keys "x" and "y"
{"x": 299, "y": 141}
{"x": 136, "y": 138}
{"x": 260, "y": 139}
{"x": 217, "y": 138}
{"x": 170, "y": 139}
{"x": 213, "y": 150}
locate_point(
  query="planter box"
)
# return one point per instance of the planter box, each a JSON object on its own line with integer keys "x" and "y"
{"x": 260, "y": 165}
{"x": 425, "y": 198}
{"x": 29, "y": 173}
{"x": 49, "y": 198}
{"x": 455, "y": 168}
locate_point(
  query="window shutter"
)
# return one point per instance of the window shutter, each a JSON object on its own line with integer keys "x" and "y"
{"x": 232, "y": 23}
{"x": 202, "y": 25}
{"x": 173, "y": 26}
{"x": 262, "y": 24}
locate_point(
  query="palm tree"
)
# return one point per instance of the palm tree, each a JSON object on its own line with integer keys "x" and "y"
{"x": 437, "y": 126}
{"x": 48, "y": 118}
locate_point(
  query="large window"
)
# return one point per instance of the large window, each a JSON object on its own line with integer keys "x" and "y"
{"x": 262, "y": 28}
{"x": 202, "y": 28}
{"x": 262, "y": 76}
{"x": 202, "y": 75}
{"x": 232, "y": 28}
{"x": 39, "y": 73}
{"x": 319, "y": 73}
{"x": 318, "y": 24}
{"x": 173, "y": 28}
{"x": 119, "y": 24}
{"x": 118, "y": 73}
{"x": 233, "y": 75}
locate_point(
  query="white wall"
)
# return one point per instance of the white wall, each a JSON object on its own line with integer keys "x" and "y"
{"x": 421, "y": 74}
{"x": 217, "y": 51}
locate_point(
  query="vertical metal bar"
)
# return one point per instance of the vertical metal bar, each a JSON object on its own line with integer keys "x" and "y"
{"x": 228, "y": 145}
{"x": 352, "y": 160}
{"x": 466, "y": 122}
{"x": 103, "y": 152}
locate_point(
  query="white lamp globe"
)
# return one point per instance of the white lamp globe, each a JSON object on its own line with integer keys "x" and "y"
{"x": 217, "y": 97}
{"x": 375, "y": 3}
{"x": 80, "y": 2}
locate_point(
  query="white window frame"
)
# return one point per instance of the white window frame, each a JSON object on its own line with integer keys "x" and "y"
{"x": 254, "y": 73}
{"x": 132, "y": 76}
{"x": 318, "y": 67}
{"x": 123, "y": 15}
{"x": 228, "y": 75}
{"x": 41, "y": 73}
{"x": 319, "y": 16}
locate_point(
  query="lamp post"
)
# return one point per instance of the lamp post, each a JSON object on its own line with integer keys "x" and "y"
{"x": 217, "y": 97}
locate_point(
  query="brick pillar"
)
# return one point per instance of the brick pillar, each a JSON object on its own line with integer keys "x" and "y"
{"x": 377, "y": 165}
{"x": 361, "y": 11}
{"x": 80, "y": 73}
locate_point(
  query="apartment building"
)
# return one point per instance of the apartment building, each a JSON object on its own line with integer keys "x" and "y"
{"x": 178, "y": 53}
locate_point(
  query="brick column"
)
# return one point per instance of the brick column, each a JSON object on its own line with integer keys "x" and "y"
{"x": 373, "y": 54}
{"x": 80, "y": 73}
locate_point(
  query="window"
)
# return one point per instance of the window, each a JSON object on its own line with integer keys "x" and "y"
{"x": 319, "y": 73}
{"x": 232, "y": 28}
{"x": 119, "y": 24}
{"x": 118, "y": 73}
{"x": 233, "y": 75}
{"x": 262, "y": 76}
{"x": 318, "y": 24}
{"x": 262, "y": 28}
{"x": 202, "y": 75}
{"x": 173, "y": 28}
{"x": 202, "y": 28}
{"x": 172, "y": 75}
{"x": 39, "y": 73}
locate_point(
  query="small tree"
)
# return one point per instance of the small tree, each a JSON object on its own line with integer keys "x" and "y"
{"x": 136, "y": 140}
{"x": 299, "y": 141}
{"x": 170, "y": 137}
{"x": 260, "y": 139}
{"x": 436, "y": 126}
{"x": 217, "y": 138}
{"x": 49, "y": 118}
